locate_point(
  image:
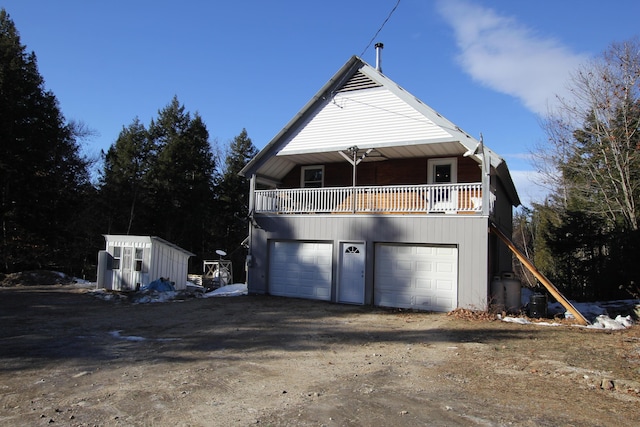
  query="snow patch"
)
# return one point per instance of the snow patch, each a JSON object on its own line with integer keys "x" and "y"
{"x": 156, "y": 296}
{"x": 605, "y": 322}
{"x": 523, "y": 321}
{"x": 116, "y": 334}
{"x": 234, "y": 290}
{"x": 598, "y": 313}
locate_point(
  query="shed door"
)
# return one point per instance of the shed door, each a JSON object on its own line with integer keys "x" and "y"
{"x": 126, "y": 268}
{"x": 300, "y": 269}
{"x": 416, "y": 276}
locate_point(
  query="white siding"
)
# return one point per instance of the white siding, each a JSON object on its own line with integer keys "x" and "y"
{"x": 169, "y": 263}
{"x": 469, "y": 233}
{"x": 160, "y": 259}
{"x": 130, "y": 281}
{"x": 366, "y": 118}
{"x": 300, "y": 269}
{"x": 416, "y": 276}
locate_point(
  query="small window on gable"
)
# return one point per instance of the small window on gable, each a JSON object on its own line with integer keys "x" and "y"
{"x": 442, "y": 171}
{"x": 312, "y": 177}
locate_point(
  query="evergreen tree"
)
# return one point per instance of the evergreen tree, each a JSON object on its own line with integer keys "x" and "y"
{"x": 124, "y": 189}
{"x": 181, "y": 178}
{"x": 233, "y": 201}
{"x": 43, "y": 178}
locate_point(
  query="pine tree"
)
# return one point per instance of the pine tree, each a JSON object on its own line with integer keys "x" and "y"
{"x": 233, "y": 200}
{"x": 181, "y": 179}
{"x": 43, "y": 177}
{"x": 124, "y": 188}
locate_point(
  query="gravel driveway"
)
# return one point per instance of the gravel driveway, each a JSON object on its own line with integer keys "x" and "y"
{"x": 68, "y": 358}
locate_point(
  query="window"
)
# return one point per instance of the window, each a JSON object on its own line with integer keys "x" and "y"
{"x": 312, "y": 177}
{"x": 138, "y": 259}
{"x": 117, "y": 254}
{"x": 442, "y": 171}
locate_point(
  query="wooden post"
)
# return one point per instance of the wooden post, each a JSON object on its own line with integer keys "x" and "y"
{"x": 538, "y": 275}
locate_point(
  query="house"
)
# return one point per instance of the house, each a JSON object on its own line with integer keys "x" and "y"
{"x": 130, "y": 262}
{"x": 369, "y": 196}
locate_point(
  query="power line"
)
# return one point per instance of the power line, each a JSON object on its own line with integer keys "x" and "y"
{"x": 380, "y": 29}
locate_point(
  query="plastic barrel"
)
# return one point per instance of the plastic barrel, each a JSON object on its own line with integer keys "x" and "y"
{"x": 512, "y": 291}
{"x": 497, "y": 297}
{"x": 537, "y": 305}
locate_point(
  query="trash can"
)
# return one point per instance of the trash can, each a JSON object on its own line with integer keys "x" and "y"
{"x": 537, "y": 305}
{"x": 497, "y": 295}
{"x": 513, "y": 291}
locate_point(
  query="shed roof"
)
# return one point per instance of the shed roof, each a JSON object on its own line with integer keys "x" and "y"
{"x": 145, "y": 239}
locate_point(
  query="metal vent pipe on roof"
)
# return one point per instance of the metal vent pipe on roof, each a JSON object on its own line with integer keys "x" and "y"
{"x": 379, "y": 47}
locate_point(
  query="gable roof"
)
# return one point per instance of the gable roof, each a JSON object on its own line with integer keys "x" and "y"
{"x": 360, "y": 106}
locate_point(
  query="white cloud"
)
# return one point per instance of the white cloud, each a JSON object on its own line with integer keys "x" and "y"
{"x": 528, "y": 185}
{"x": 507, "y": 56}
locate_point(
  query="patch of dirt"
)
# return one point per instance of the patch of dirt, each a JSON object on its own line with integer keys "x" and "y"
{"x": 68, "y": 358}
{"x": 35, "y": 277}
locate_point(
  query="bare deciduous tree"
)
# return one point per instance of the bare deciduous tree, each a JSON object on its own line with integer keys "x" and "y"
{"x": 593, "y": 149}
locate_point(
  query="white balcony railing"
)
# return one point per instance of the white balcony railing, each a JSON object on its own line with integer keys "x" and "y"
{"x": 446, "y": 198}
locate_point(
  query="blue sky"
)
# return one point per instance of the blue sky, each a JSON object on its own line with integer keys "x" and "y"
{"x": 490, "y": 66}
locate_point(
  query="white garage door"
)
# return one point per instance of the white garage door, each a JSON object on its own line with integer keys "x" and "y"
{"x": 420, "y": 277}
{"x": 300, "y": 269}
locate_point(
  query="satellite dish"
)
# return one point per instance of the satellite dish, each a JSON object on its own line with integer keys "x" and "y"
{"x": 221, "y": 252}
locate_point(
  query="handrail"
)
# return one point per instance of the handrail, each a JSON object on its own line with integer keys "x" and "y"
{"x": 425, "y": 198}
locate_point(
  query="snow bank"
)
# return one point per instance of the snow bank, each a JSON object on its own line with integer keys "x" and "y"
{"x": 605, "y": 322}
{"x": 598, "y": 313}
{"x": 234, "y": 290}
{"x": 147, "y": 296}
{"x": 600, "y": 322}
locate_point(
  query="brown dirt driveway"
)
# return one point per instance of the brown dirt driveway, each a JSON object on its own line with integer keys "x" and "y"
{"x": 68, "y": 358}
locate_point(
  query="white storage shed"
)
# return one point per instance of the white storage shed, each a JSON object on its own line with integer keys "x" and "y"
{"x": 130, "y": 262}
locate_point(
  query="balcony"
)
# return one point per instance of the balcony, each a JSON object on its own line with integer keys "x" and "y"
{"x": 396, "y": 199}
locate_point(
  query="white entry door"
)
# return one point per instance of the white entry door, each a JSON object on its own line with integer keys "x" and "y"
{"x": 352, "y": 264}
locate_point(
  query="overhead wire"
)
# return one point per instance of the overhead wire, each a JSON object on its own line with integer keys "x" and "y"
{"x": 380, "y": 29}
{"x": 421, "y": 119}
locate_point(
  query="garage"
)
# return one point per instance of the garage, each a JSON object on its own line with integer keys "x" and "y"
{"x": 423, "y": 277}
{"x": 300, "y": 269}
